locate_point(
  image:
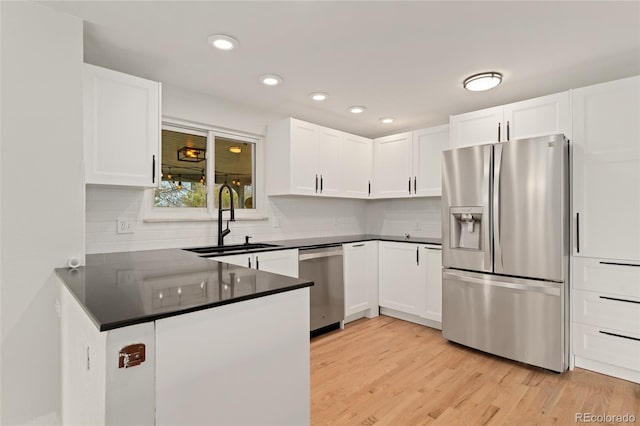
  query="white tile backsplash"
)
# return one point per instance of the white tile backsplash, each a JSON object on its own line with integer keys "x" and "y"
{"x": 419, "y": 217}
{"x": 298, "y": 217}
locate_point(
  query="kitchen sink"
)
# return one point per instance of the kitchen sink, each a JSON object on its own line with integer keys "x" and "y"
{"x": 233, "y": 247}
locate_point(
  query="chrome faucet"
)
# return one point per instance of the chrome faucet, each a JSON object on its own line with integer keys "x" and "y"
{"x": 221, "y": 233}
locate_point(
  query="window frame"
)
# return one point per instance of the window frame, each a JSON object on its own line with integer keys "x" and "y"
{"x": 210, "y": 213}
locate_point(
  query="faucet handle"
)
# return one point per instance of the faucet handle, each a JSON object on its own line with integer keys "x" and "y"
{"x": 247, "y": 238}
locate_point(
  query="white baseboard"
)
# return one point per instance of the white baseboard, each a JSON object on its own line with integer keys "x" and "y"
{"x": 411, "y": 318}
{"x": 608, "y": 369}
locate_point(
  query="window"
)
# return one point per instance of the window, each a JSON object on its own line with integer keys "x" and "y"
{"x": 183, "y": 180}
{"x": 196, "y": 162}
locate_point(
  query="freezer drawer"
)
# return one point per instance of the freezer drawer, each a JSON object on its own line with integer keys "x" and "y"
{"x": 514, "y": 318}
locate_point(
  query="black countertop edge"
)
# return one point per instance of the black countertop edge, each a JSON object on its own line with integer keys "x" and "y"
{"x": 149, "y": 318}
{"x": 318, "y": 242}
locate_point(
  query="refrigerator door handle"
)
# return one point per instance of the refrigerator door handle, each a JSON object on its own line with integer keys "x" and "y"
{"x": 547, "y": 287}
{"x": 498, "y": 267}
{"x": 486, "y": 196}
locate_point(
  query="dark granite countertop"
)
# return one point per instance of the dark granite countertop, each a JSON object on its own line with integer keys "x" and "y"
{"x": 302, "y": 243}
{"x": 127, "y": 288}
{"x": 345, "y": 239}
{"x": 122, "y": 289}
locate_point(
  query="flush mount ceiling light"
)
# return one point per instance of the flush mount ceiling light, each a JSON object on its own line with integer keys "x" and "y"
{"x": 356, "y": 109}
{"x": 387, "y": 120}
{"x": 319, "y": 96}
{"x": 482, "y": 81}
{"x": 270, "y": 79}
{"x": 235, "y": 149}
{"x": 223, "y": 42}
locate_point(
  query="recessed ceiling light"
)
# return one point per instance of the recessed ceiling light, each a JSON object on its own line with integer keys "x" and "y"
{"x": 223, "y": 42}
{"x": 319, "y": 96}
{"x": 387, "y": 120}
{"x": 270, "y": 79}
{"x": 235, "y": 149}
{"x": 482, "y": 81}
{"x": 356, "y": 109}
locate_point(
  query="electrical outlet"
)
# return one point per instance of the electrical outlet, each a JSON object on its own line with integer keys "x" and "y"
{"x": 276, "y": 222}
{"x": 125, "y": 226}
{"x": 335, "y": 220}
{"x": 418, "y": 225}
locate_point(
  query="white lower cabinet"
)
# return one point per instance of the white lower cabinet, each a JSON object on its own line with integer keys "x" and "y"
{"x": 360, "y": 280}
{"x": 433, "y": 261}
{"x": 410, "y": 282}
{"x": 283, "y": 262}
{"x": 606, "y": 316}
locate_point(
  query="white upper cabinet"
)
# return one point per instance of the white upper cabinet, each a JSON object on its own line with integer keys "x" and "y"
{"x": 329, "y": 161}
{"x": 393, "y": 166}
{"x": 122, "y": 122}
{"x": 541, "y": 116}
{"x": 304, "y": 139}
{"x": 546, "y": 115}
{"x": 357, "y": 166}
{"x": 476, "y": 128}
{"x": 307, "y": 159}
{"x": 408, "y": 164}
{"x": 428, "y": 145}
{"x": 606, "y": 170}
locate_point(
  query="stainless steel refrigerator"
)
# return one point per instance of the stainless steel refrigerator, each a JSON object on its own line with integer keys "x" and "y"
{"x": 505, "y": 246}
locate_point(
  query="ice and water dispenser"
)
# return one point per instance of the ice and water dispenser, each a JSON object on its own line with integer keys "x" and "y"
{"x": 465, "y": 225}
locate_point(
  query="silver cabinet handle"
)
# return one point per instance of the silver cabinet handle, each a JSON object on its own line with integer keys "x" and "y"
{"x": 257, "y": 262}
{"x": 358, "y": 245}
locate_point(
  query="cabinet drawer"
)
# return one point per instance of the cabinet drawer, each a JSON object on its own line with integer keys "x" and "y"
{"x": 607, "y": 276}
{"x": 609, "y": 311}
{"x": 593, "y": 343}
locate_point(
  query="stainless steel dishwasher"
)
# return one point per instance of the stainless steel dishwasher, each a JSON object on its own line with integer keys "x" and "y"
{"x": 323, "y": 265}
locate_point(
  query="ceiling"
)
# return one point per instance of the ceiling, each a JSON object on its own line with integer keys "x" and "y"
{"x": 401, "y": 59}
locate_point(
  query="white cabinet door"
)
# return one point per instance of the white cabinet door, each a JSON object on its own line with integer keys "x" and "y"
{"x": 357, "y": 166}
{"x": 245, "y": 260}
{"x": 304, "y": 158}
{"x": 477, "y": 127}
{"x": 121, "y": 128}
{"x": 328, "y": 161}
{"x": 402, "y": 277}
{"x": 606, "y": 169}
{"x": 428, "y": 145}
{"x": 393, "y": 166}
{"x": 283, "y": 262}
{"x": 433, "y": 260}
{"x": 361, "y": 278}
{"x": 546, "y": 115}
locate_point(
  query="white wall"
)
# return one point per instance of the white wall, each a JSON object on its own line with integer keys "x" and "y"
{"x": 42, "y": 200}
{"x": 418, "y": 217}
{"x": 205, "y": 109}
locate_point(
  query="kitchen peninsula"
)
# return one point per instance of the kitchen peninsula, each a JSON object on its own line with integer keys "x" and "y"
{"x": 166, "y": 337}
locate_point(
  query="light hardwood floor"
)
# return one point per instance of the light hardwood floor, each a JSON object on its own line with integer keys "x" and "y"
{"x": 385, "y": 371}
